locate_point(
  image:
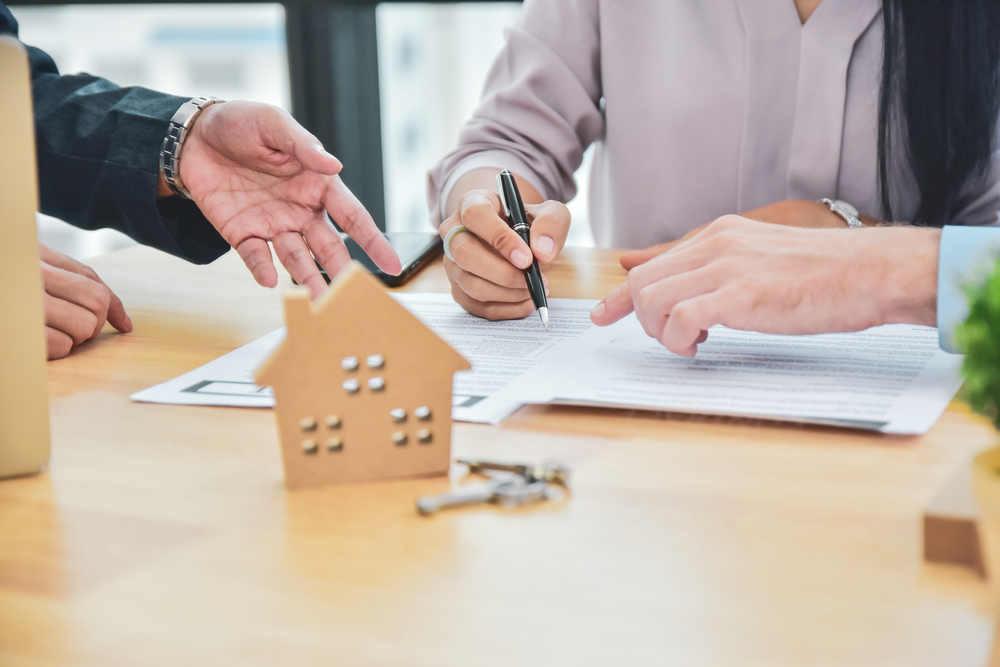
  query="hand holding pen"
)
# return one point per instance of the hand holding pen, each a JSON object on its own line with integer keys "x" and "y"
{"x": 487, "y": 258}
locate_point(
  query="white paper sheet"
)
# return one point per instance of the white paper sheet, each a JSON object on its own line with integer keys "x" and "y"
{"x": 499, "y": 353}
{"x": 893, "y": 379}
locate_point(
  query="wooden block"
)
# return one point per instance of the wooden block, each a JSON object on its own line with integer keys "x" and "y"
{"x": 24, "y": 398}
{"x": 951, "y": 533}
{"x": 362, "y": 388}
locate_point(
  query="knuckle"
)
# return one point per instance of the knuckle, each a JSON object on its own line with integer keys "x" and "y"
{"x": 351, "y": 218}
{"x": 644, "y": 300}
{"x": 684, "y": 313}
{"x": 503, "y": 240}
{"x": 512, "y": 278}
{"x": 467, "y": 285}
{"x": 728, "y": 222}
{"x": 463, "y": 249}
{"x": 58, "y": 344}
{"x": 90, "y": 273}
{"x": 636, "y": 281}
{"x": 104, "y": 296}
{"x": 477, "y": 209}
{"x": 726, "y": 242}
{"x": 467, "y": 303}
{"x": 61, "y": 348}
{"x": 85, "y": 328}
{"x": 329, "y": 248}
{"x": 297, "y": 255}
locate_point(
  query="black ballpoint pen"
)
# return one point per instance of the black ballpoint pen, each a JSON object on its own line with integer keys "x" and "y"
{"x": 513, "y": 208}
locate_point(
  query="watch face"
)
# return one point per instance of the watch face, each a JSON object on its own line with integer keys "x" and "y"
{"x": 846, "y": 208}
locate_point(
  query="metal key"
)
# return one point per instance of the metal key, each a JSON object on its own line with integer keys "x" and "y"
{"x": 552, "y": 471}
{"x": 508, "y": 491}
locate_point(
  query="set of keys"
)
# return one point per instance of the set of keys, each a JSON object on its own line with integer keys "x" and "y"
{"x": 509, "y": 485}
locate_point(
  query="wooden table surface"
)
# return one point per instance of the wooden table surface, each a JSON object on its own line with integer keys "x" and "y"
{"x": 162, "y": 535}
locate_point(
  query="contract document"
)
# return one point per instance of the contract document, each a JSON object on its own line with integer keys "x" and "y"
{"x": 893, "y": 379}
{"x": 499, "y": 352}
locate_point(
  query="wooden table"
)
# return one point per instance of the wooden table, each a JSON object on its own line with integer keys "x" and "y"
{"x": 163, "y": 536}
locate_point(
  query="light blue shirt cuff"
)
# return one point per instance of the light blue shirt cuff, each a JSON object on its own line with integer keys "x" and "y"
{"x": 967, "y": 257}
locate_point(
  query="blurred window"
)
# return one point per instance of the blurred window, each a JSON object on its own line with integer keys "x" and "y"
{"x": 433, "y": 61}
{"x": 230, "y": 51}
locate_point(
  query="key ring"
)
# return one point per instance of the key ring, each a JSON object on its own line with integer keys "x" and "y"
{"x": 514, "y": 493}
{"x": 457, "y": 229}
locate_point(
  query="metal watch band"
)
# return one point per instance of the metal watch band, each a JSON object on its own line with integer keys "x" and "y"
{"x": 844, "y": 211}
{"x": 170, "y": 153}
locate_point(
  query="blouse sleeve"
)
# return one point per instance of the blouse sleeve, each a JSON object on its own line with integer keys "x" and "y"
{"x": 541, "y": 105}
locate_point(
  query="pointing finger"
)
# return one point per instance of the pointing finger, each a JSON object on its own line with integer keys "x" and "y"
{"x": 615, "y": 306}
{"x": 353, "y": 218}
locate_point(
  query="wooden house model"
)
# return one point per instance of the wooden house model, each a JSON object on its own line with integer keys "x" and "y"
{"x": 362, "y": 387}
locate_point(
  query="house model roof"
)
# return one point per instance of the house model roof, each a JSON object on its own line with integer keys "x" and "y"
{"x": 356, "y": 318}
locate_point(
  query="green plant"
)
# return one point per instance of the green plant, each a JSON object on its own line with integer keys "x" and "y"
{"x": 979, "y": 338}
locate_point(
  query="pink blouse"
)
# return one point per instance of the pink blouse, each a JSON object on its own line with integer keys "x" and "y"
{"x": 699, "y": 108}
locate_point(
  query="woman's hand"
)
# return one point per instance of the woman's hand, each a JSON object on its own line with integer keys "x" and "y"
{"x": 791, "y": 213}
{"x": 776, "y": 279}
{"x": 487, "y": 276}
{"x": 77, "y": 303}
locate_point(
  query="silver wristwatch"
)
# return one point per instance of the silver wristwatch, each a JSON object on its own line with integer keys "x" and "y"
{"x": 170, "y": 153}
{"x": 848, "y": 213}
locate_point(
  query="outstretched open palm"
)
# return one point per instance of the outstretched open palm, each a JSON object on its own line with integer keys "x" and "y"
{"x": 259, "y": 176}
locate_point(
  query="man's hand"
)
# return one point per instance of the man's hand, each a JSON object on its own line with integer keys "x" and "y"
{"x": 77, "y": 303}
{"x": 487, "y": 276}
{"x": 792, "y": 213}
{"x": 259, "y": 176}
{"x": 774, "y": 279}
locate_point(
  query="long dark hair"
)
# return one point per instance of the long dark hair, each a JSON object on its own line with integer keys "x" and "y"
{"x": 940, "y": 96}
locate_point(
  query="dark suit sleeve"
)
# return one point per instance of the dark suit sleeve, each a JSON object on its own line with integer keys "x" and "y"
{"x": 98, "y": 159}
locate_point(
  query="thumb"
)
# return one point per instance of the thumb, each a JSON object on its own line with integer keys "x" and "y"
{"x": 633, "y": 258}
{"x": 615, "y": 306}
{"x": 284, "y": 133}
{"x": 549, "y": 227}
{"x": 313, "y": 156}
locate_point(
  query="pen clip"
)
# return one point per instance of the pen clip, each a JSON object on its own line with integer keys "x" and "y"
{"x": 501, "y": 193}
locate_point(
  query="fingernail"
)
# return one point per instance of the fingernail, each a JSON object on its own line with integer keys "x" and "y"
{"x": 545, "y": 245}
{"x": 598, "y": 310}
{"x": 546, "y": 291}
{"x": 545, "y": 281}
{"x": 520, "y": 259}
{"x": 129, "y": 323}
